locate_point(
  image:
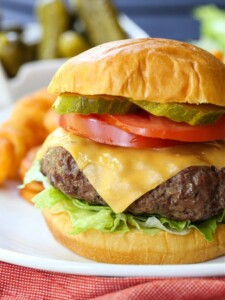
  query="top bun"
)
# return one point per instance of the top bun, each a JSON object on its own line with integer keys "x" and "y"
{"x": 157, "y": 70}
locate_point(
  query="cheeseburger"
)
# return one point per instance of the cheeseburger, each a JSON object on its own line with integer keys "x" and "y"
{"x": 135, "y": 173}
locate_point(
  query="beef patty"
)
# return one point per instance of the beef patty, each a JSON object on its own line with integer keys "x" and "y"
{"x": 196, "y": 193}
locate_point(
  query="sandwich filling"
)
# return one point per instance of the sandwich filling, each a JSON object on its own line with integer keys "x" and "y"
{"x": 121, "y": 177}
{"x": 172, "y": 189}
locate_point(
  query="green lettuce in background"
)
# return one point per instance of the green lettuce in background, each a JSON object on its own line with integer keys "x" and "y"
{"x": 212, "y": 27}
{"x": 85, "y": 216}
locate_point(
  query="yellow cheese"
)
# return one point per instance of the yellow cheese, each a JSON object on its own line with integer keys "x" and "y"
{"x": 121, "y": 175}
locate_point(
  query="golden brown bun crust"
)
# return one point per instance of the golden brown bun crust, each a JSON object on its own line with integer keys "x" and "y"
{"x": 150, "y": 69}
{"x": 135, "y": 247}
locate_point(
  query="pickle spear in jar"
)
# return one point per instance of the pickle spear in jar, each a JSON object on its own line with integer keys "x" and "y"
{"x": 12, "y": 52}
{"x": 54, "y": 20}
{"x": 100, "y": 19}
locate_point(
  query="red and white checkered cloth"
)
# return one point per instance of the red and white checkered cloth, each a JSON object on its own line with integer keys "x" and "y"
{"x": 20, "y": 283}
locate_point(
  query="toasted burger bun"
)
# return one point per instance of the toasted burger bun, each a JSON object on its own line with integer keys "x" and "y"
{"x": 156, "y": 70}
{"x": 135, "y": 247}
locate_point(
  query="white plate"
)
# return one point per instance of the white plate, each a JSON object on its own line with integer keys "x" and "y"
{"x": 26, "y": 241}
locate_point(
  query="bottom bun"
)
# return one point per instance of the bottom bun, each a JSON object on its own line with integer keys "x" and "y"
{"x": 136, "y": 247}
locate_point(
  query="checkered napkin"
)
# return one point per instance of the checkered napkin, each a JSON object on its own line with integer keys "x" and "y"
{"x": 20, "y": 283}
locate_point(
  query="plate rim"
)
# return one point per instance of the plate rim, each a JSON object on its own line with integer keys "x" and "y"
{"x": 112, "y": 270}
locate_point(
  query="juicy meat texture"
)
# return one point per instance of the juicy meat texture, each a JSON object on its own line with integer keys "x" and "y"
{"x": 196, "y": 193}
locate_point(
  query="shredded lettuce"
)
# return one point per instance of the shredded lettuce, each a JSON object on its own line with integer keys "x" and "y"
{"x": 85, "y": 216}
{"x": 34, "y": 174}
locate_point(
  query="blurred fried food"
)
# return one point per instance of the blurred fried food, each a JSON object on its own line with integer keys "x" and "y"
{"x": 219, "y": 55}
{"x": 31, "y": 189}
{"x": 28, "y": 194}
{"x": 23, "y": 130}
{"x": 6, "y": 163}
{"x": 51, "y": 120}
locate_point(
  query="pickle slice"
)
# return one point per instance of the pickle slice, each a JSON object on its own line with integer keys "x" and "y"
{"x": 66, "y": 103}
{"x": 201, "y": 114}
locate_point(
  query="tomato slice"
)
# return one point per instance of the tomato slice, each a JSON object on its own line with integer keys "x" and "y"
{"x": 95, "y": 128}
{"x": 161, "y": 127}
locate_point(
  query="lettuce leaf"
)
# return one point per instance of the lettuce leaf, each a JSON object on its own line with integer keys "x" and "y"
{"x": 34, "y": 174}
{"x": 212, "y": 24}
{"x": 85, "y": 216}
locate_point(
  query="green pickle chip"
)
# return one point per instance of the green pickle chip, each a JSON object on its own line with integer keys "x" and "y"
{"x": 66, "y": 104}
{"x": 201, "y": 114}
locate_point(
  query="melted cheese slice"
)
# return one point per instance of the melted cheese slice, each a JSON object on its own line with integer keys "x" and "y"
{"x": 122, "y": 175}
